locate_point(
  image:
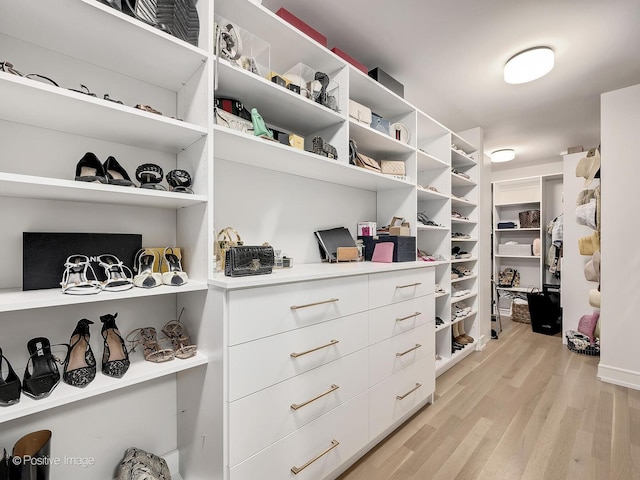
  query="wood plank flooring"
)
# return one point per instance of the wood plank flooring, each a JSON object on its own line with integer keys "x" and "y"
{"x": 525, "y": 408}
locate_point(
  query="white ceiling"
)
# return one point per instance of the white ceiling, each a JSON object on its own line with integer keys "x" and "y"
{"x": 449, "y": 56}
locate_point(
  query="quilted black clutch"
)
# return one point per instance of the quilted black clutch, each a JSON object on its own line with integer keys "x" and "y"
{"x": 245, "y": 260}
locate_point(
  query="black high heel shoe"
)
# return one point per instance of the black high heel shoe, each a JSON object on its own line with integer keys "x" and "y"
{"x": 44, "y": 375}
{"x": 116, "y": 175}
{"x": 115, "y": 358}
{"x": 80, "y": 364}
{"x": 31, "y": 457}
{"x": 9, "y": 386}
{"x": 150, "y": 175}
{"x": 89, "y": 169}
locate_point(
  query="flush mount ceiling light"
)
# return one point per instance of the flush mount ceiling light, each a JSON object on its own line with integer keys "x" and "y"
{"x": 504, "y": 155}
{"x": 528, "y": 65}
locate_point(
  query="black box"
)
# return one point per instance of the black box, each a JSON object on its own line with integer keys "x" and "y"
{"x": 387, "y": 80}
{"x": 44, "y": 254}
{"x": 404, "y": 249}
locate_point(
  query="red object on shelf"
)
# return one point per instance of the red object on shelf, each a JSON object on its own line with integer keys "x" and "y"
{"x": 303, "y": 27}
{"x": 350, "y": 59}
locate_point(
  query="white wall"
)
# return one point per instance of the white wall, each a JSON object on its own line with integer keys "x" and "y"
{"x": 620, "y": 328}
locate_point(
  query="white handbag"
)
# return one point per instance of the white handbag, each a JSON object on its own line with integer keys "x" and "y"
{"x": 360, "y": 113}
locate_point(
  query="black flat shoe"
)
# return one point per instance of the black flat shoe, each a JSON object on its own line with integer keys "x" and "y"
{"x": 116, "y": 175}
{"x": 44, "y": 375}
{"x": 80, "y": 364}
{"x": 89, "y": 169}
{"x": 10, "y": 385}
{"x": 115, "y": 358}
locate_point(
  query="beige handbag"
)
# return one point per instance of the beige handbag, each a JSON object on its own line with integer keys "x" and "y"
{"x": 392, "y": 167}
{"x": 227, "y": 237}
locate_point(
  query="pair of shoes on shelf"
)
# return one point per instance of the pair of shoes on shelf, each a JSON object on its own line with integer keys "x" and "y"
{"x": 459, "y": 334}
{"x": 153, "y": 270}
{"x": 90, "y": 169}
{"x": 422, "y": 218}
{"x": 150, "y": 175}
{"x": 80, "y": 363}
{"x": 79, "y": 277}
{"x": 460, "y": 292}
{"x": 176, "y": 333}
{"x": 460, "y": 309}
{"x": 460, "y": 235}
{"x": 458, "y": 253}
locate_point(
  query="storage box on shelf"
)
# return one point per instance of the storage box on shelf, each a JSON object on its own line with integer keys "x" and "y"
{"x": 67, "y": 124}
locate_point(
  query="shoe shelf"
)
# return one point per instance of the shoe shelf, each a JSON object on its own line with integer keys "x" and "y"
{"x": 71, "y": 112}
{"x": 237, "y": 147}
{"x": 44, "y": 188}
{"x": 127, "y": 45}
{"x": 533, "y": 257}
{"x": 431, "y": 227}
{"x": 441, "y": 294}
{"x": 445, "y": 363}
{"x": 513, "y": 230}
{"x": 462, "y": 279}
{"x": 428, "y": 194}
{"x": 524, "y": 203}
{"x": 460, "y": 181}
{"x": 14, "y": 299}
{"x": 427, "y": 161}
{"x": 462, "y": 260}
{"x": 458, "y": 202}
{"x": 442, "y": 327}
{"x": 464, "y": 239}
{"x": 514, "y": 289}
{"x": 459, "y": 319}
{"x": 460, "y": 160}
{"x": 461, "y": 298}
{"x": 64, "y": 394}
{"x": 278, "y": 106}
{"x": 377, "y": 144}
{"x": 462, "y": 220}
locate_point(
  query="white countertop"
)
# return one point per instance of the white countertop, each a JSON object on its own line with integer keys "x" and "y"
{"x": 314, "y": 271}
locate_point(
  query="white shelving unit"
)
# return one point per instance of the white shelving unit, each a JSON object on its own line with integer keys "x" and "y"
{"x": 45, "y": 131}
{"x": 510, "y": 197}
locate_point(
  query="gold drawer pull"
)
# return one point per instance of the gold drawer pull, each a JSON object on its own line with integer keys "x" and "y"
{"x": 408, "y": 316}
{"x": 409, "y": 351}
{"x": 297, "y": 470}
{"x": 401, "y": 397}
{"x": 296, "y": 406}
{"x": 297, "y": 307}
{"x": 332, "y": 342}
{"x": 410, "y": 285}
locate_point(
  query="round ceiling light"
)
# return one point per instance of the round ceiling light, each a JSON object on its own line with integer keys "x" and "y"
{"x": 504, "y": 155}
{"x": 529, "y": 65}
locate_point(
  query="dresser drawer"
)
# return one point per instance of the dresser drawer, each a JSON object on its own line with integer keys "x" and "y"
{"x": 390, "y": 320}
{"x": 390, "y": 356}
{"x": 387, "y": 288}
{"x": 338, "y": 435}
{"x": 259, "y": 312}
{"x": 267, "y": 416}
{"x": 264, "y": 362}
{"x": 394, "y": 398}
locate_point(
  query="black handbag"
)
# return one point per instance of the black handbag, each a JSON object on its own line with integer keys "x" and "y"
{"x": 320, "y": 147}
{"x": 243, "y": 261}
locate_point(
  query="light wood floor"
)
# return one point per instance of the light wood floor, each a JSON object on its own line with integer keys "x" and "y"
{"x": 524, "y": 408}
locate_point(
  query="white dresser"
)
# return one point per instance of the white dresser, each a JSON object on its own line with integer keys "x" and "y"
{"x": 320, "y": 363}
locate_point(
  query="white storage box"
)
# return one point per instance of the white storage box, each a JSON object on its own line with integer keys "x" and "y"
{"x": 518, "y": 249}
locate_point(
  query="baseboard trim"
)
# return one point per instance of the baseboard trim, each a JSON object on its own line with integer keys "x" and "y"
{"x": 482, "y": 342}
{"x": 619, "y": 376}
